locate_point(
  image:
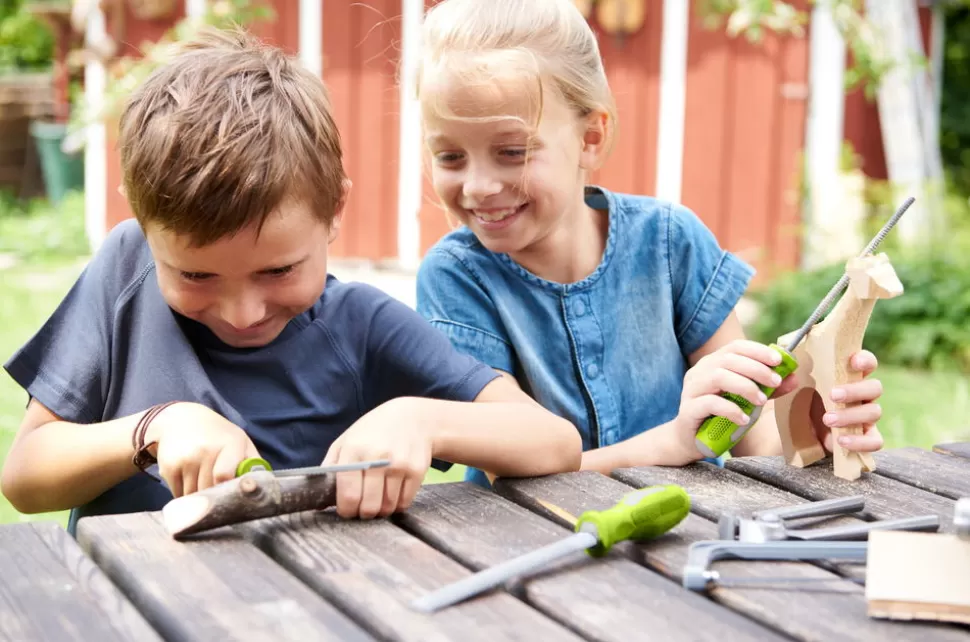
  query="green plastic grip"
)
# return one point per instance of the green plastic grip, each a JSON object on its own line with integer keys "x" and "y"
{"x": 642, "y": 514}
{"x": 718, "y": 435}
{"x": 252, "y": 463}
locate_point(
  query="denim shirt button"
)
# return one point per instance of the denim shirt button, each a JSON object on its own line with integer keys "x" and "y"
{"x": 592, "y": 371}
{"x": 579, "y": 308}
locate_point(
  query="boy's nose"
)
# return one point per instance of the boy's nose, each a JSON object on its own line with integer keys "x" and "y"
{"x": 242, "y": 314}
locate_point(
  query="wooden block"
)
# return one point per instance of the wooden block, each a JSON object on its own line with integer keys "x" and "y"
{"x": 918, "y": 576}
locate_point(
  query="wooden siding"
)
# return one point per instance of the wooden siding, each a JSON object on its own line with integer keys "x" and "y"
{"x": 744, "y": 127}
{"x": 744, "y": 134}
{"x": 361, "y": 44}
{"x": 862, "y": 128}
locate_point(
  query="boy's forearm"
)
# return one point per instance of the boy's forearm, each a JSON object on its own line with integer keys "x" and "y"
{"x": 659, "y": 446}
{"x": 507, "y": 439}
{"x": 61, "y": 465}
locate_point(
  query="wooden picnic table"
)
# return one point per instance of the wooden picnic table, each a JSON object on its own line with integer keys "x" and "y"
{"x": 312, "y": 576}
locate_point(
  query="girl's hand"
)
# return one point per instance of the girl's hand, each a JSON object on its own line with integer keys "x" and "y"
{"x": 737, "y": 367}
{"x": 862, "y": 411}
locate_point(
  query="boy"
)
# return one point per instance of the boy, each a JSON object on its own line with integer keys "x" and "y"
{"x": 207, "y": 330}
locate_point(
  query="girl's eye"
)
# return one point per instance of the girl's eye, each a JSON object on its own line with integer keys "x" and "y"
{"x": 515, "y": 152}
{"x": 448, "y": 157}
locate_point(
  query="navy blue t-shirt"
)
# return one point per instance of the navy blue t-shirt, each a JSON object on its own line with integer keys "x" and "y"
{"x": 113, "y": 347}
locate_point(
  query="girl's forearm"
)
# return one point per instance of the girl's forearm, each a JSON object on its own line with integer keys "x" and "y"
{"x": 659, "y": 446}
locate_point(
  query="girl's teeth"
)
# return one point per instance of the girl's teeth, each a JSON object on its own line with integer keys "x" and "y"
{"x": 496, "y": 215}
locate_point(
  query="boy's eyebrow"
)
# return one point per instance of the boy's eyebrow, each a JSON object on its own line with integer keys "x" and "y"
{"x": 286, "y": 264}
{"x": 270, "y": 268}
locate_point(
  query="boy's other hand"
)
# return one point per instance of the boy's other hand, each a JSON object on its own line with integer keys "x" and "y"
{"x": 197, "y": 447}
{"x": 393, "y": 431}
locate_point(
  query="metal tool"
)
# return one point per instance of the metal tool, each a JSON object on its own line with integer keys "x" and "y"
{"x": 700, "y": 555}
{"x": 769, "y": 525}
{"x": 257, "y": 463}
{"x": 717, "y": 435}
{"x": 641, "y": 514}
{"x": 961, "y": 518}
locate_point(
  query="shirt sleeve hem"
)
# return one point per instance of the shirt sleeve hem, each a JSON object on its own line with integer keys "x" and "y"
{"x": 54, "y": 396}
{"x": 481, "y": 345}
{"x": 728, "y": 284}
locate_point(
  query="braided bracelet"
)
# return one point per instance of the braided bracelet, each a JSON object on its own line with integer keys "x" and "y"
{"x": 142, "y": 457}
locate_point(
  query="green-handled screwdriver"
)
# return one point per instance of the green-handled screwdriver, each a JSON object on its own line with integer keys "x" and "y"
{"x": 642, "y": 514}
{"x": 717, "y": 435}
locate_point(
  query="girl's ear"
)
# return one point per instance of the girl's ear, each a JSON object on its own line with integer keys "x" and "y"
{"x": 596, "y": 131}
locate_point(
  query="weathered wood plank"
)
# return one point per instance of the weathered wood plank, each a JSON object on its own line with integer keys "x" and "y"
{"x": 838, "y": 614}
{"x": 49, "y": 590}
{"x": 885, "y": 498}
{"x": 373, "y": 569}
{"x": 610, "y": 598}
{"x": 934, "y": 472}
{"x": 215, "y": 586}
{"x": 957, "y": 448}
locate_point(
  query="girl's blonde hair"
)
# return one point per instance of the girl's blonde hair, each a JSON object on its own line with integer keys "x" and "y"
{"x": 480, "y": 43}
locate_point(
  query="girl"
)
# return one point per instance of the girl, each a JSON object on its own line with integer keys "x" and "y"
{"x": 614, "y": 311}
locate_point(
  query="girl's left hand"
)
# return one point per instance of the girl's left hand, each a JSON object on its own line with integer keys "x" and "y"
{"x": 864, "y": 410}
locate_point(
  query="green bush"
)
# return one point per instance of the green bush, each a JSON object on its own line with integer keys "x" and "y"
{"x": 26, "y": 41}
{"x": 928, "y": 326}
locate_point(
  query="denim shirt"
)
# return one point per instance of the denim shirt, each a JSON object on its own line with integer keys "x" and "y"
{"x": 609, "y": 352}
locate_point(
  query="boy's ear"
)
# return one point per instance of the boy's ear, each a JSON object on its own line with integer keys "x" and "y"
{"x": 596, "y": 132}
{"x": 339, "y": 213}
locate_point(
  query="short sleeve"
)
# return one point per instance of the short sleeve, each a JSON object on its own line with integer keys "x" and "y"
{"x": 66, "y": 364}
{"x": 707, "y": 281}
{"x": 407, "y": 357}
{"x": 452, "y": 300}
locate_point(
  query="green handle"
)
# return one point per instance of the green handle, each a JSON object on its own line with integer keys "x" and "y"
{"x": 252, "y": 463}
{"x": 642, "y": 514}
{"x": 718, "y": 435}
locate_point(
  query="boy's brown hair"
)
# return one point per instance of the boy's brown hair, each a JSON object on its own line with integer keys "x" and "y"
{"x": 225, "y": 131}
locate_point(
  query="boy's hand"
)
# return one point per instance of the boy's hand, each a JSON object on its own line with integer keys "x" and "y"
{"x": 864, "y": 411}
{"x": 197, "y": 447}
{"x": 393, "y": 431}
{"x": 737, "y": 367}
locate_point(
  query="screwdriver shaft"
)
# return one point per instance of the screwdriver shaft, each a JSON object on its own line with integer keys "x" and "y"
{"x": 500, "y": 573}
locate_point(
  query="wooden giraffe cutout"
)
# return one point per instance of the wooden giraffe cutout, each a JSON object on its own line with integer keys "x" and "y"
{"x": 823, "y": 364}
